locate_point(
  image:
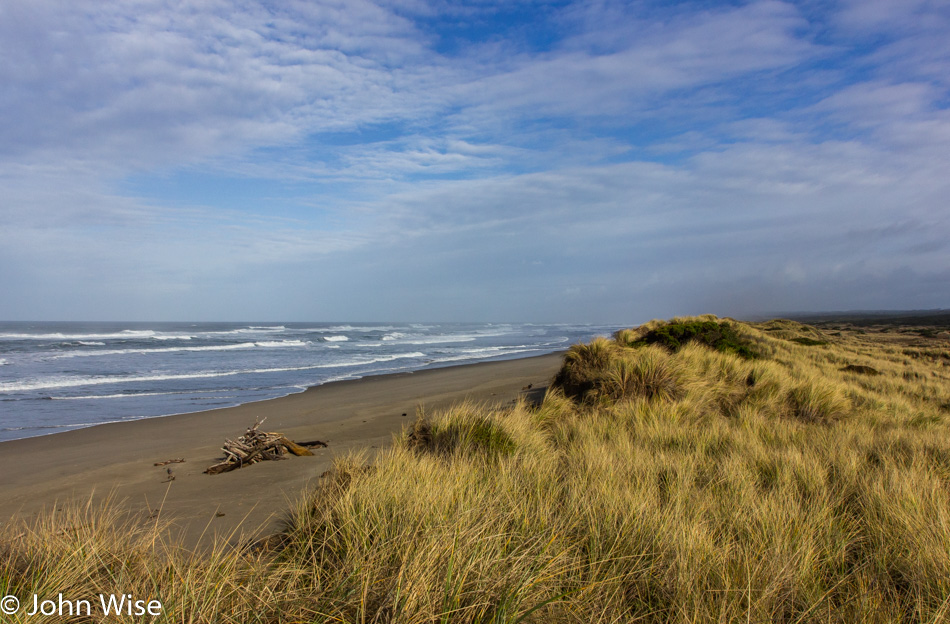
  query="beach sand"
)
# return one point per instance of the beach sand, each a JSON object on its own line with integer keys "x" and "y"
{"x": 118, "y": 459}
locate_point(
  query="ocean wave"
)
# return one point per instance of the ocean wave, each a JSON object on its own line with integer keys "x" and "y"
{"x": 70, "y": 425}
{"x": 476, "y": 356}
{"x": 348, "y": 328}
{"x": 91, "y": 343}
{"x": 122, "y": 395}
{"x": 439, "y": 340}
{"x": 279, "y": 344}
{"x": 409, "y": 339}
{"x": 496, "y": 349}
{"x": 145, "y": 351}
{"x": 334, "y": 328}
{"x": 213, "y": 392}
{"x": 126, "y": 334}
{"x": 395, "y": 336}
{"x": 4, "y": 362}
{"x": 336, "y": 338}
{"x": 434, "y": 340}
{"x": 242, "y": 331}
{"x": 76, "y": 382}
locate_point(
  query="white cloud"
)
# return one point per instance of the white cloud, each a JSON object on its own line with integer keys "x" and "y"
{"x": 645, "y": 154}
{"x": 656, "y": 58}
{"x": 156, "y": 83}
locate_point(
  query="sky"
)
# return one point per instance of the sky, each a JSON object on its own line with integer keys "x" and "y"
{"x": 472, "y": 160}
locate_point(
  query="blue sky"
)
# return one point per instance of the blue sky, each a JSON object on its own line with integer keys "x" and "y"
{"x": 485, "y": 161}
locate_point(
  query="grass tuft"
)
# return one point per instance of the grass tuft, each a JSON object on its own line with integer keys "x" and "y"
{"x": 465, "y": 429}
{"x": 818, "y": 401}
{"x": 646, "y": 373}
{"x": 585, "y": 366}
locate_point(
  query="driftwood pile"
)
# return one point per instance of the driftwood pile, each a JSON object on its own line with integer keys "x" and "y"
{"x": 256, "y": 445}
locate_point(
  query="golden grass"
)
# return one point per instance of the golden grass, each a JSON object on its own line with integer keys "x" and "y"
{"x": 686, "y": 487}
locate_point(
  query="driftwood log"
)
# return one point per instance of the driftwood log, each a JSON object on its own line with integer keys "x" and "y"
{"x": 179, "y": 460}
{"x": 256, "y": 445}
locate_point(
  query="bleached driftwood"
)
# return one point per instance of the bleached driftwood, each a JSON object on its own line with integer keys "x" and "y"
{"x": 179, "y": 460}
{"x": 254, "y": 446}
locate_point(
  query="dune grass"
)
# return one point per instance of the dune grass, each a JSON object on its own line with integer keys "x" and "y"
{"x": 651, "y": 485}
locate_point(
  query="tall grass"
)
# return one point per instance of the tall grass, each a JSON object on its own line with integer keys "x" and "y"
{"x": 649, "y": 486}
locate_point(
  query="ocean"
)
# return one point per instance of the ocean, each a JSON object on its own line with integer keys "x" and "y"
{"x": 60, "y": 376}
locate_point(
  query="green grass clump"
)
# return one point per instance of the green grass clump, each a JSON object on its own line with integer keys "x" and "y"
{"x": 719, "y": 335}
{"x": 860, "y": 369}
{"x": 809, "y": 342}
{"x": 465, "y": 429}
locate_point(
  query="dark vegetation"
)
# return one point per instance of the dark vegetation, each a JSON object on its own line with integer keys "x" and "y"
{"x": 907, "y": 318}
{"x": 809, "y": 342}
{"x": 719, "y": 335}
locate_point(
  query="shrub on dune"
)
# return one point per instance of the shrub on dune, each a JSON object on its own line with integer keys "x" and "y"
{"x": 719, "y": 335}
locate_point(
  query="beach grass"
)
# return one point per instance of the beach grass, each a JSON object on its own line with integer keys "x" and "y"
{"x": 766, "y": 477}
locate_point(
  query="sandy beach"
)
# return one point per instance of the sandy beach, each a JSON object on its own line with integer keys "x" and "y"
{"x": 118, "y": 459}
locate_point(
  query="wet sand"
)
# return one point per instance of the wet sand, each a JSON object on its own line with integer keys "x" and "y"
{"x": 118, "y": 459}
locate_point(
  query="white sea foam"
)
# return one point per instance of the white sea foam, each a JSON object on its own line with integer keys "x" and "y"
{"x": 273, "y": 344}
{"x": 336, "y": 338}
{"x": 127, "y": 334}
{"x": 434, "y": 340}
{"x": 91, "y": 343}
{"x": 243, "y": 330}
{"x": 214, "y": 394}
{"x": 50, "y": 383}
{"x": 101, "y": 352}
{"x": 113, "y": 396}
{"x": 395, "y": 336}
{"x": 4, "y": 361}
{"x": 65, "y": 426}
{"x": 279, "y": 344}
{"x": 409, "y": 339}
{"x": 347, "y": 328}
{"x": 480, "y": 354}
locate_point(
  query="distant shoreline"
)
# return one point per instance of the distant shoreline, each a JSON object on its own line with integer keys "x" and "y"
{"x": 429, "y": 367}
{"x": 938, "y": 316}
{"x": 61, "y": 377}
